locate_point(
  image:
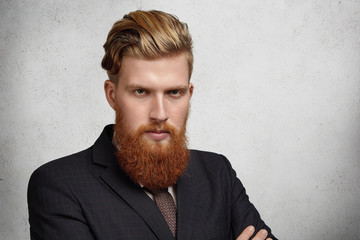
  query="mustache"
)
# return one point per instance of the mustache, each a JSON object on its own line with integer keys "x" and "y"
{"x": 157, "y": 127}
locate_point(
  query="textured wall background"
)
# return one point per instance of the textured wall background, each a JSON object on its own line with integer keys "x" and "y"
{"x": 277, "y": 91}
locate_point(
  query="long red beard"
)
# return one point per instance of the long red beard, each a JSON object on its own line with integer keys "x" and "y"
{"x": 153, "y": 164}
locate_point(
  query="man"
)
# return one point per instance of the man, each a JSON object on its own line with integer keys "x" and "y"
{"x": 139, "y": 180}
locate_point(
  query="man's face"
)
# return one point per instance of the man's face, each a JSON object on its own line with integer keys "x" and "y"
{"x": 151, "y": 103}
{"x": 152, "y": 91}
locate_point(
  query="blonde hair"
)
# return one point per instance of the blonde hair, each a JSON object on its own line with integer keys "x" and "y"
{"x": 149, "y": 35}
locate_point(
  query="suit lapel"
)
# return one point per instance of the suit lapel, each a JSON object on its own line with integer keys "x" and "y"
{"x": 131, "y": 193}
{"x": 137, "y": 199}
{"x": 186, "y": 199}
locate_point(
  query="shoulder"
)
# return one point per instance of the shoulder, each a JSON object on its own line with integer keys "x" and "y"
{"x": 65, "y": 168}
{"x": 211, "y": 165}
{"x": 208, "y": 159}
{"x": 99, "y": 154}
{"x": 71, "y": 161}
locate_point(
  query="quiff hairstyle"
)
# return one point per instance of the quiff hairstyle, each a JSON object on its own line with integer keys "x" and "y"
{"x": 149, "y": 35}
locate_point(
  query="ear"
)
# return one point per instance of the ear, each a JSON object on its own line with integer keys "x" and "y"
{"x": 191, "y": 89}
{"x": 110, "y": 90}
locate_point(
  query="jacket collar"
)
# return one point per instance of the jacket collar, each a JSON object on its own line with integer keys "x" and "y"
{"x": 103, "y": 149}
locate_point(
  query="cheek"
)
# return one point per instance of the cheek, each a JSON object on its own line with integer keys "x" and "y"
{"x": 134, "y": 119}
{"x": 180, "y": 115}
{"x": 134, "y": 116}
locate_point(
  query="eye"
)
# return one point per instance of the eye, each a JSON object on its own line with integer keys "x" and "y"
{"x": 175, "y": 92}
{"x": 139, "y": 91}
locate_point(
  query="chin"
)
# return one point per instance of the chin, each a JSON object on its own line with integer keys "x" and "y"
{"x": 157, "y": 142}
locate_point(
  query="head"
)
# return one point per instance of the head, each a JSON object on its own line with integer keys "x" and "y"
{"x": 148, "y": 58}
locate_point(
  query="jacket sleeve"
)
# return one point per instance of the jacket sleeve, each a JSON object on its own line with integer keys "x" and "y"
{"x": 243, "y": 212}
{"x": 54, "y": 212}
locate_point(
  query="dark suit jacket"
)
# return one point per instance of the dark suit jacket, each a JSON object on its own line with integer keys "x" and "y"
{"x": 88, "y": 196}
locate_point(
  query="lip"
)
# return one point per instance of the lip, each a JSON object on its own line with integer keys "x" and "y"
{"x": 157, "y": 135}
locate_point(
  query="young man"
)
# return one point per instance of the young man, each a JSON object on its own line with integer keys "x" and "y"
{"x": 139, "y": 180}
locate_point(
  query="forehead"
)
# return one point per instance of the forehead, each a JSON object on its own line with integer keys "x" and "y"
{"x": 162, "y": 71}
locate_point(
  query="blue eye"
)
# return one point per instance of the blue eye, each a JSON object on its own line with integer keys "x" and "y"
{"x": 175, "y": 92}
{"x": 140, "y": 91}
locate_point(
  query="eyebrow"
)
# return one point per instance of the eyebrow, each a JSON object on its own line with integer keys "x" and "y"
{"x": 134, "y": 86}
{"x": 139, "y": 86}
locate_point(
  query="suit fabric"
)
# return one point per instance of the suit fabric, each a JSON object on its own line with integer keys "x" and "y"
{"x": 87, "y": 196}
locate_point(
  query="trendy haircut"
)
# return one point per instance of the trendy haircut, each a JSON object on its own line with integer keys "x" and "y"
{"x": 149, "y": 35}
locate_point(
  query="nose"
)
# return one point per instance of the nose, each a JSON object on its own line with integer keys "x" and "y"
{"x": 158, "y": 111}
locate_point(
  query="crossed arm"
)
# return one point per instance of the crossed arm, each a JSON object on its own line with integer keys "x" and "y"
{"x": 244, "y": 214}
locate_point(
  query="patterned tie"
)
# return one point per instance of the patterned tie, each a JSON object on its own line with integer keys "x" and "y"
{"x": 166, "y": 204}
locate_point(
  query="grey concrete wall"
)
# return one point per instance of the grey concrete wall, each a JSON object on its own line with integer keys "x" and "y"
{"x": 277, "y": 90}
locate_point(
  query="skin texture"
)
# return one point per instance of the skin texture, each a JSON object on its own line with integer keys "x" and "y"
{"x": 152, "y": 91}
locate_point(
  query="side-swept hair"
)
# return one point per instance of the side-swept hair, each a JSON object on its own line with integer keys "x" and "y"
{"x": 149, "y": 35}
